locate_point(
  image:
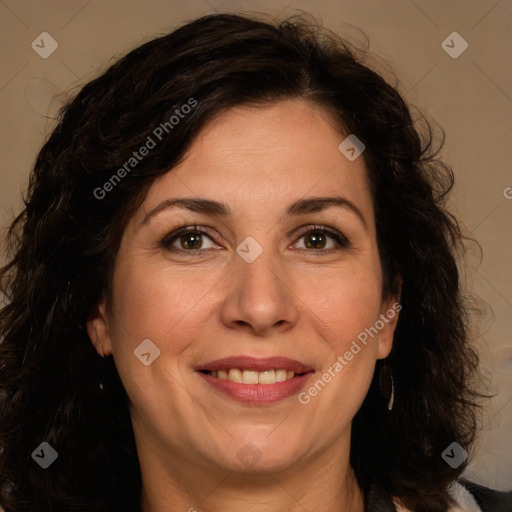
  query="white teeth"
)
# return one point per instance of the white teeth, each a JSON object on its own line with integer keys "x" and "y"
{"x": 250, "y": 377}
{"x": 254, "y": 377}
{"x": 235, "y": 375}
{"x": 268, "y": 377}
{"x": 280, "y": 375}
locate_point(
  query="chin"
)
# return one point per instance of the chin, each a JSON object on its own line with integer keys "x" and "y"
{"x": 256, "y": 454}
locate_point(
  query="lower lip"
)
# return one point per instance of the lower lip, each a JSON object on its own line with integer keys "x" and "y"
{"x": 258, "y": 393}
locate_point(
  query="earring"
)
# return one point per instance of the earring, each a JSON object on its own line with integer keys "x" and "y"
{"x": 101, "y": 370}
{"x": 387, "y": 386}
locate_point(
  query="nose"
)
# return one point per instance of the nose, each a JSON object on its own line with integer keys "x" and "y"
{"x": 260, "y": 297}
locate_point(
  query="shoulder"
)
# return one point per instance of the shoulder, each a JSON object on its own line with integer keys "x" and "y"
{"x": 472, "y": 497}
{"x": 464, "y": 500}
{"x": 485, "y": 498}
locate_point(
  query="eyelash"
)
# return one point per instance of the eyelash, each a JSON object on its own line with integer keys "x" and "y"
{"x": 169, "y": 238}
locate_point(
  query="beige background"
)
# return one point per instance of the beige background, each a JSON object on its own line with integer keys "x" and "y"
{"x": 470, "y": 97}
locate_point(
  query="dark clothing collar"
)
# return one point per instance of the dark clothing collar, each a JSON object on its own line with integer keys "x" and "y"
{"x": 489, "y": 500}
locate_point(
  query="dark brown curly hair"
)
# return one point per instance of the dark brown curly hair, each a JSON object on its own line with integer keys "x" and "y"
{"x": 63, "y": 245}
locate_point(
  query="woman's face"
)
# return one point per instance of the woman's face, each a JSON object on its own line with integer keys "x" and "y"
{"x": 254, "y": 287}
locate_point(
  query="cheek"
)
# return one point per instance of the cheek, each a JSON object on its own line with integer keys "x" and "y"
{"x": 152, "y": 303}
{"x": 350, "y": 309}
{"x": 346, "y": 301}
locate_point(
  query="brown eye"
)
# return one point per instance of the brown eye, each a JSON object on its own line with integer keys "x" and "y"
{"x": 191, "y": 240}
{"x": 188, "y": 239}
{"x": 317, "y": 239}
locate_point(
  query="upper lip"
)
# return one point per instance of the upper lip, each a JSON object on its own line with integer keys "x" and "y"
{"x": 256, "y": 364}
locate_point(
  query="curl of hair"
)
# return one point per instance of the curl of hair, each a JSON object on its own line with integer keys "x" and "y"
{"x": 63, "y": 246}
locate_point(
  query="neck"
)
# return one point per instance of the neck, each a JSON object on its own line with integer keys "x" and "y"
{"x": 320, "y": 484}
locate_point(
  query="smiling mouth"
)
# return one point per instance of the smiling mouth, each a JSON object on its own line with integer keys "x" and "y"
{"x": 252, "y": 376}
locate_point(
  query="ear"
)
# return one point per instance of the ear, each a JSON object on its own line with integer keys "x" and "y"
{"x": 389, "y": 314}
{"x": 98, "y": 328}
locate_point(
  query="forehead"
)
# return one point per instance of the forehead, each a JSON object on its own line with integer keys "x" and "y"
{"x": 255, "y": 157}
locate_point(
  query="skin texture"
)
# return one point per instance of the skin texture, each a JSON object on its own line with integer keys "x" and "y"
{"x": 291, "y": 301}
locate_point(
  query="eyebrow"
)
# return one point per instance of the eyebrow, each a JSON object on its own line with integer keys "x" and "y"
{"x": 217, "y": 209}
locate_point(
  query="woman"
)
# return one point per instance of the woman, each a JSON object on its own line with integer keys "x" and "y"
{"x": 234, "y": 285}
